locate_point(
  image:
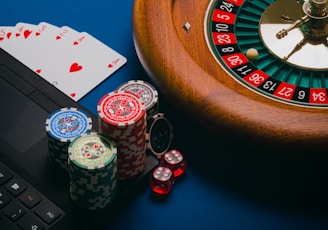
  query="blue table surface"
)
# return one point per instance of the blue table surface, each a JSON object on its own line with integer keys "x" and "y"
{"x": 229, "y": 183}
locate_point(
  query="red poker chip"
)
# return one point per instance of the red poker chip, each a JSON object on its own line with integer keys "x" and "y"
{"x": 109, "y": 127}
{"x": 118, "y": 133}
{"x": 132, "y": 166}
{"x": 129, "y": 168}
{"x": 131, "y": 158}
{"x": 133, "y": 148}
{"x": 121, "y": 109}
{"x": 122, "y": 116}
{"x": 130, "y": 172}
{"x": 130, "y": 152}
{"x": 130, "y": 141}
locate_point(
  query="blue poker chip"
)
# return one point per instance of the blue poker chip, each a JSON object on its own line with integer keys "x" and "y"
{"x": 66, "y": 124}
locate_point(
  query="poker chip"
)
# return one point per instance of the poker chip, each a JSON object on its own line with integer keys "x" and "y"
{"x": 63, "y": 126}
{"x": 146, "y": 91}
{"x": 159, "y": 135}
{"x": 122, "y": 116}
{"x": 92, "y": 168}
{"x": 120, "y": 109}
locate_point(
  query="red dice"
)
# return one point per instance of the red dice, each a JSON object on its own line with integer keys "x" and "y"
{"x": 174, "y": 160}
{"x": 162, "y": 180}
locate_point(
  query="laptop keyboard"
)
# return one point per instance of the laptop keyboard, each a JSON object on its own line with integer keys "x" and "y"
{"x": 22, "y": 206}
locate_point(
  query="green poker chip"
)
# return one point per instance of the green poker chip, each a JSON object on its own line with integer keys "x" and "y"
{"x": 92, "y": 151}
{"x": 92, "y": 167}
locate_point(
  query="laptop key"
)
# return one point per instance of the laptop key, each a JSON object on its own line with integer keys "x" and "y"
{"x": 29, "y": 222}
{"x": 19, "y": 202}
{"x": 6, "y": 224}
{"x": 4, "y": 198}
{"x": 47, "y": 211}
{"x": 14, "y": 211}
{"x": 16, "y": 187}
{"x": 5, "y": 175}
{"x": 30, "y": 198}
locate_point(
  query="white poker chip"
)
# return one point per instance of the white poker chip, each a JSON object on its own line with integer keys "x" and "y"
{"x": 146, "y": 91}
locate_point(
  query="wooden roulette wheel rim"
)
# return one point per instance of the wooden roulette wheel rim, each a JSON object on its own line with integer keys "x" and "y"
{"x": 181, "y": 65}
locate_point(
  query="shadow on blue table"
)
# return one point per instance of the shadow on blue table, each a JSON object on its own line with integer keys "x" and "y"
{"x": 285, "y": 177}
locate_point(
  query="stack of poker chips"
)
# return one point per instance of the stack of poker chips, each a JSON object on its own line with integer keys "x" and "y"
{"x": 122, "y": 116}
{"x": 92, "y": 169}
{"x": 159, "y": 132}
{"x": 63, "y": 126}
{"x": 145, "y": 91}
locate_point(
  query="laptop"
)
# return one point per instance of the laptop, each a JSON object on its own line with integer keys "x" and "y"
{"x": 32, "y": 194}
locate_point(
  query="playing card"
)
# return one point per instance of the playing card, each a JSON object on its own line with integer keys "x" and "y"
{"x": 67, "y": 34}
{"x": 29, "y": 50}
{"x": 73, "y": 62}
{"x": 16, "y": 44}
{"x": 6, "y": 33}
{"x": 46, "y": 45}
{"x": 24, "y": 30}
{"x": 80, "y": 63}
{"x": 46, "y": 48}
{"x": 48, "y": 51}
{"x": 45, "y": 31}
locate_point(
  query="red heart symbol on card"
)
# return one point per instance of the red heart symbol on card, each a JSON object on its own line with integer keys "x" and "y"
{"x": 1, "y": 38}
{"x": 75, "y": 67}
{"x": 58, "y": 37}
{"x": 37, "y": 33}
{"x": 113, "y": 63}
{"x": 73, "y": 94}
{"x": 17, "y": 34}
{"x": 75, "y": 43}
{"x": 27, "y": 33}
{"x": 8, "y": 35}
{"x": 38, "y": 70}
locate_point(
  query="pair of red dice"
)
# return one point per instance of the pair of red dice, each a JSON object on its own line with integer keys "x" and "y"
{"x": 172, "y": 165}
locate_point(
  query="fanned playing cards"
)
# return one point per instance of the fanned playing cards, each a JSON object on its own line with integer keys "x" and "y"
{"x": 74, "y": 62}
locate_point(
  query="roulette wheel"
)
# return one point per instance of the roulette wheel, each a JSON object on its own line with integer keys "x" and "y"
{"x": 256, "y": 67}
